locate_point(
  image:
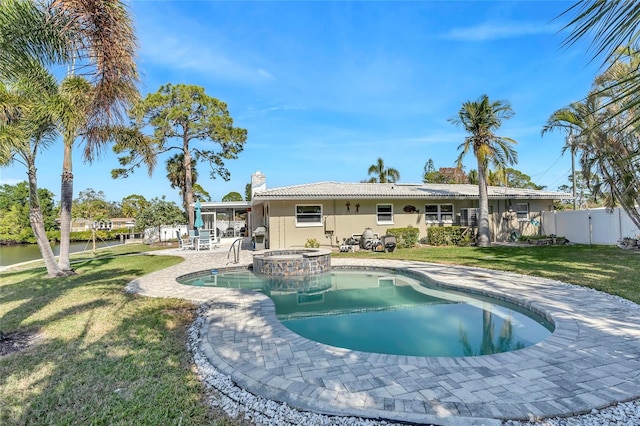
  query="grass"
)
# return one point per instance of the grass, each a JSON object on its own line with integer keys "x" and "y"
{"x": 604, "y": 268}
{"x": 106, "y": 357}
{"x": 102, "y": 356}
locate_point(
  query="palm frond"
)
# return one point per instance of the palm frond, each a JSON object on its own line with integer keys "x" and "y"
{"x": 612, "y": 23}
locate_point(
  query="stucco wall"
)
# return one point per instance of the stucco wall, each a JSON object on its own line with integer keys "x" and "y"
{"x": 340, "y": 222}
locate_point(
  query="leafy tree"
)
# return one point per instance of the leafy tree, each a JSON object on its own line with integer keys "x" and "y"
{"x": 472, "y": 177}
{"x": 176, "y": 176}
{"x": 114, "y": 209}
{"x": 584, "y": 197}
{"x": 382, "y": 174}
{"x": 247, "y": 192}
{"x": 430, "y": 174}
{"x": 26, "y": 128}
{"x": 495, "y": 178}
{"x": 15, "y": 198}
{"x": 448, "y": 175}
{"x": 480, "y": 119}
{"x": 91, "y": 205}
{"x": 184, "y": 118}
{"x": 96, "y": 42}
{"x": 232, "y": 196}
{"x": 132, "y": 205}
{"x": 516, "y": 179}
{"x": 159, "y": 212}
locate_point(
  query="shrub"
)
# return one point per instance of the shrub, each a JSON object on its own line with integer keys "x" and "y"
{"x": 312, "y": 243}
{"x": 450, "y": 236}
{"x": 405, "y": 237}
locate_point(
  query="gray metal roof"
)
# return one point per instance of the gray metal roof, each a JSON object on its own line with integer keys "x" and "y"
{"x": 331, "y": 190}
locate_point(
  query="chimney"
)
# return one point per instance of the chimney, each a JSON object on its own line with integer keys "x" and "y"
{"x": 258, "y": 183}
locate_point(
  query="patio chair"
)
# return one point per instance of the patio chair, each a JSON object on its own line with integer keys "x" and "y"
{"x": 185, "y": 244}
{"x": 205, "y": 240}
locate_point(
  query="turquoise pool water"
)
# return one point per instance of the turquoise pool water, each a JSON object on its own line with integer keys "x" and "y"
{"x": 390, "y": 313}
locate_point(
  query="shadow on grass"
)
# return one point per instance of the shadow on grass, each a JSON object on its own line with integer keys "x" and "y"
{"x": 104, "y": 356}
{"x": 129, "y": 369}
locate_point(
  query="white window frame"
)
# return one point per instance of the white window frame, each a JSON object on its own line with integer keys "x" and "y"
{"x": 308, "y": 224}
{"x": 522, "y": 212}
{"x": 439, "y": 213}
{"x": 385, "y": 213}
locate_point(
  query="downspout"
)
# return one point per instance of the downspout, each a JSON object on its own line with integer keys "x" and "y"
{"x": 335, "y": 222}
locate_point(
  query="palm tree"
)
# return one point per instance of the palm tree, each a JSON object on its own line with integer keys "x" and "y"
{"x": 26, "y": 128}
{"x": 382, "y": 174}
{"x": 176, "y": 174}
{"x": 93, "y": 39}
{"x": 480, "y": 119}
{"x": 608, "y": 150}
{"x": 611, "y": 23}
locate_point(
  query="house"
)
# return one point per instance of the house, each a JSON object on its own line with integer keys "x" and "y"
{"x": 332, "y": 211}
{"x": 123, "y": 224}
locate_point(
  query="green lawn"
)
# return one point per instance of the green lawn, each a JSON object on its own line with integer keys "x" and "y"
{"x": 604, "y": 268}
{"x": 106, "y": 357}
{"x": 102, "y": 356}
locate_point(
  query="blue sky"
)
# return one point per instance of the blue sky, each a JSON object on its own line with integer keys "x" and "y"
{"x": 325, "y": 88}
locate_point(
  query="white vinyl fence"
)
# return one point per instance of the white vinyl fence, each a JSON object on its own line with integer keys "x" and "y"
{"x": 593, "y": 226}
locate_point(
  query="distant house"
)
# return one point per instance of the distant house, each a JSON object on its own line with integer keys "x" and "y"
{"x": 332, "y": 211}
{"x": 124, "y": 224}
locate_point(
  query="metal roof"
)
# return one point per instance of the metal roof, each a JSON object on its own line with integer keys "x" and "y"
{"x": 331, "y": 190}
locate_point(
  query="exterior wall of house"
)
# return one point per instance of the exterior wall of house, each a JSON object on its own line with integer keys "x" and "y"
{"x": 339, "y": 219}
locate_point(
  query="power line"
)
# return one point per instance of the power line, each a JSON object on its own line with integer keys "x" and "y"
{"x": 550, "y": 167}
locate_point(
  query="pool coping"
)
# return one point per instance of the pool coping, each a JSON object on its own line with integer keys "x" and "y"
{"x": 591, "y": 360}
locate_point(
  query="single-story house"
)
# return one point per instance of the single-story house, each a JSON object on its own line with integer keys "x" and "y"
{"x": 125, "y": 224}
{"x": 333, "y": 211}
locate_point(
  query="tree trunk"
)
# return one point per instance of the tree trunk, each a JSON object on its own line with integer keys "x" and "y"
{"x": 37, "y": 225}
{"x": 487, "y": 347}
{"x": 93, "y": 239}
{"x": 484, "y": 235}
{"x": 66, "y": 200}
{"x": 188, "y": 182}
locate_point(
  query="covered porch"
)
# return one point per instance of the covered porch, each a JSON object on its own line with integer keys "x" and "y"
{"x": 229, "y": 219}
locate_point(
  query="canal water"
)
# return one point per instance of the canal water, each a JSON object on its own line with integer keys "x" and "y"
{"x": 12, "y": 254}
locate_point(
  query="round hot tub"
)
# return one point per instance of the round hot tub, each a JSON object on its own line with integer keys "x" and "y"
{"x": 292, "y": 262}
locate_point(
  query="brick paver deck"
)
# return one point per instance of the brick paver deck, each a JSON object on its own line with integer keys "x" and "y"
{"x": 592, "y": 359}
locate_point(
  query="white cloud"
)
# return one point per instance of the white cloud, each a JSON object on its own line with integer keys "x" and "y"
{"x": 496, "y": 31}
{"x": 190, "y": 55}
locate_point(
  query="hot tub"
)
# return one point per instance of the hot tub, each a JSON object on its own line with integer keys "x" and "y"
{"x": 292, "y": 262}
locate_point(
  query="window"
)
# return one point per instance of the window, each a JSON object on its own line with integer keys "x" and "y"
{"x": 438, "y": 213}
{"x": 469, "y": 217}
{"x": 308, "y": 215}
{"x": 446, "y": 213}
{"x": 384, "y": 213}
{"x": 431, "y": 213}
{"x": 522, "y": 211}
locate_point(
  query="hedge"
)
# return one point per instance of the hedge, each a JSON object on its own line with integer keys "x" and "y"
{"x": 449, "y": 236}
{"x": 405, "y": 237}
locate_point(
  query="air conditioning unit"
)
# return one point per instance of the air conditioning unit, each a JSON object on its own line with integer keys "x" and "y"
{"x": 469, "y": 217}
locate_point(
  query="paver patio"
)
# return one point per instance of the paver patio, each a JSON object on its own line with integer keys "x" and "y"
{"x": 592, "y": 359}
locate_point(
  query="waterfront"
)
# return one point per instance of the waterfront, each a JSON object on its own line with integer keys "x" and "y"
{"x": 18, "y": 253}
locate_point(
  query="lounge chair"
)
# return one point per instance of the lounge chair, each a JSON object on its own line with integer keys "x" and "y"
{"x": 185, "y": 244}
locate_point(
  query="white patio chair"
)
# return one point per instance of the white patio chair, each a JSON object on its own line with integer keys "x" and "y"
{"x": 205, "y": 240}
{"x": 185, "y": 244}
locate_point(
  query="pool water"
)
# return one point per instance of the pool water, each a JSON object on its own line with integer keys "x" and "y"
{"x": 390, "y": 313}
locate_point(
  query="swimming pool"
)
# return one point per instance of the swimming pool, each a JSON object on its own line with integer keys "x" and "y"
{"x": 388, "y": 312}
